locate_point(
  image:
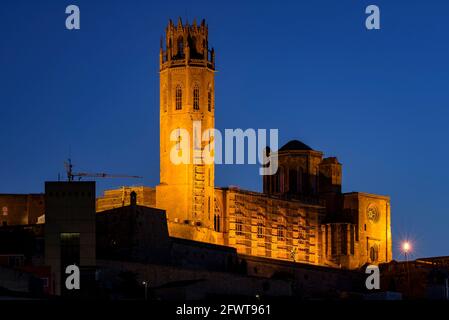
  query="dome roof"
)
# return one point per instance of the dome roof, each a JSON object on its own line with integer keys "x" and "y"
{"x": 295, "y": 145}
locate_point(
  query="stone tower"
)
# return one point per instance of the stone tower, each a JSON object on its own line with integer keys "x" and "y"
{"x": 186, "y": 190}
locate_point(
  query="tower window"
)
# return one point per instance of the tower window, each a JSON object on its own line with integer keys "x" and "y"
{"x": 279, "y": 179}
{"x": 209, "y": 101}
{"x": 299, "y": 181}
{"x": 293, "y": 181}
{"x": 196, "y": 98}
{"x": 178, "y": 97}
{"x": 180, "y": 47}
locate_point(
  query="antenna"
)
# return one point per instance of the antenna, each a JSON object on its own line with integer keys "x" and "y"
{"x": 68, "y": 167}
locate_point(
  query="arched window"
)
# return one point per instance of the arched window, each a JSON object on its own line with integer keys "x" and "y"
{"x": 192, "y": 44}
{"x": 209, "y": 100}
{"x": 180, "y": 47}
{"x": 178, "y": 97}
{"x": 277, "y": 181}
{"x": 374, "y": 253}
{"x": 301, "y": 181}
{"x": 217, "y": 222}
{"x": 196, "y": 98}
{"x": 293, "y": 181}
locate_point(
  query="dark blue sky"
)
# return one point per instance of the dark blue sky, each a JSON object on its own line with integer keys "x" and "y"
{"x": 378, "y": 100}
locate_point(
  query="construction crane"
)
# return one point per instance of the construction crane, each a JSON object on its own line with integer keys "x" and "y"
{"x": 71, "y": 175}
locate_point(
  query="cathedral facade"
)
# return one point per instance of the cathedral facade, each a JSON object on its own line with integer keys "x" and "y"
{"x": 301, "y": 215}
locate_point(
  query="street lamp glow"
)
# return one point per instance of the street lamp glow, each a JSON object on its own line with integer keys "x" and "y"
{"x": 145, "y": 283}
{"x": 406, "y": 247}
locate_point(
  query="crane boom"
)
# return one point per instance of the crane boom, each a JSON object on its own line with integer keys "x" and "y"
{"x": 102, "y": 175}
{"x": 71, "y": 175}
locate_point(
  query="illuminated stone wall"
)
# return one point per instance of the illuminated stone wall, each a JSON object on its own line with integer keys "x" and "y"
{"x": 269, "y": 226}
{"x": 339, "y": 245}
{"x": 373, "y": 226}
{"x": 117, "y": 198}
{"x": 260, "y": 225}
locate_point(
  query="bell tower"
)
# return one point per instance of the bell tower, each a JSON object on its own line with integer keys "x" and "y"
{"x": 186, "y": 189}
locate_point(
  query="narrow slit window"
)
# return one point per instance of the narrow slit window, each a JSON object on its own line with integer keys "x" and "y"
{"x": 196, "y": 98}
{"x": 178, "y": 98}
{"x": 209, "y": 101}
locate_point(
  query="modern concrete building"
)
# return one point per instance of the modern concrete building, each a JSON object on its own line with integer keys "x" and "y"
{"x": 69, "y": 229}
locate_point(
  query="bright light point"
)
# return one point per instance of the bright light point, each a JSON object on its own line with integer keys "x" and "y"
{"x": 406, "y": 246}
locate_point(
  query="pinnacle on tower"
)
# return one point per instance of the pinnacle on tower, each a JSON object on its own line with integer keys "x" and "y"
{"x": 186, "y": 45}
